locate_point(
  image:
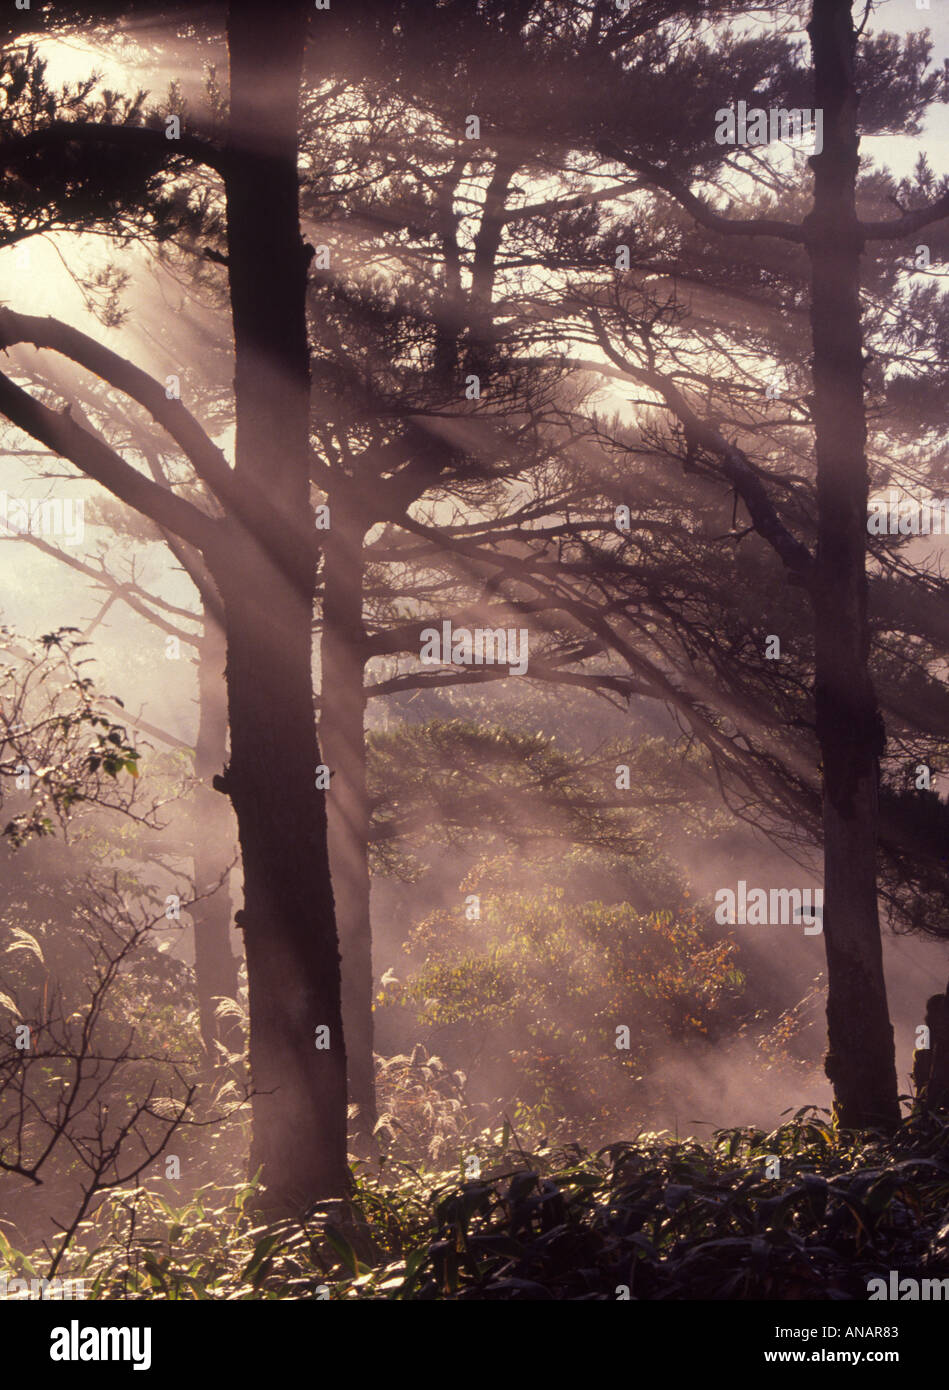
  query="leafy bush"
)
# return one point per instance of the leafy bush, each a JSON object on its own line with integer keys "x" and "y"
{"x": 535, "y": 994}
{"x": 649, "y": 1218}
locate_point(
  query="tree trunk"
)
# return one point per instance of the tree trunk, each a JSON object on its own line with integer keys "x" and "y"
{"x": 288, "y": 916}
{"x": 861, "y": 1059}
{"x": 931, "y": 1064}
{"x": 215, "y": 967}
{"x": 343, "y": 740}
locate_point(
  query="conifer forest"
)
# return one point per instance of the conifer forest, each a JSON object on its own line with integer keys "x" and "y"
{"x": 474, "y": 642}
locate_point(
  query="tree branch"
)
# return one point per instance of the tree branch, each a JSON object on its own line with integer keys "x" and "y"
{"x": 244, "y": 501}
{"x": 206, "y": 458}
{"x": 735, "y": 464}
{"x": 909, "y": 223}
{"x": 64, "y": 437}
{"x": 703, "y": 214}
{"x": 136, "y": 137}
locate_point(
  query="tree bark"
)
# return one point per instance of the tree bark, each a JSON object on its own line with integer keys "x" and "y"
{"x": 343, "y": 741}
{"x": 931, "y": 1064}
{"x": 288, "y": 916}
{"x": 215, "y": 966}
{"x": 861, "y": 1059}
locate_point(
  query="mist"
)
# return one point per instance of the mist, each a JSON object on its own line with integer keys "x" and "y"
{"x": 440, "y": 477}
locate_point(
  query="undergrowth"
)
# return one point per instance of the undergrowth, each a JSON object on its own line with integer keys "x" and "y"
{"x": 799, "y": 1213}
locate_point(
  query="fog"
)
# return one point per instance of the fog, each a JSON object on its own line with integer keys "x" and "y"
{"x": 266, "y": 448}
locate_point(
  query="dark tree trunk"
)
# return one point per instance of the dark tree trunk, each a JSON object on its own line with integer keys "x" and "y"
{"x": 215, "y": 967}
{"x": 931, "y": 1064}
{"x": 288, "y": 917}
{"x": 342, "y": 738}
{"x": 861, "y": 1059}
